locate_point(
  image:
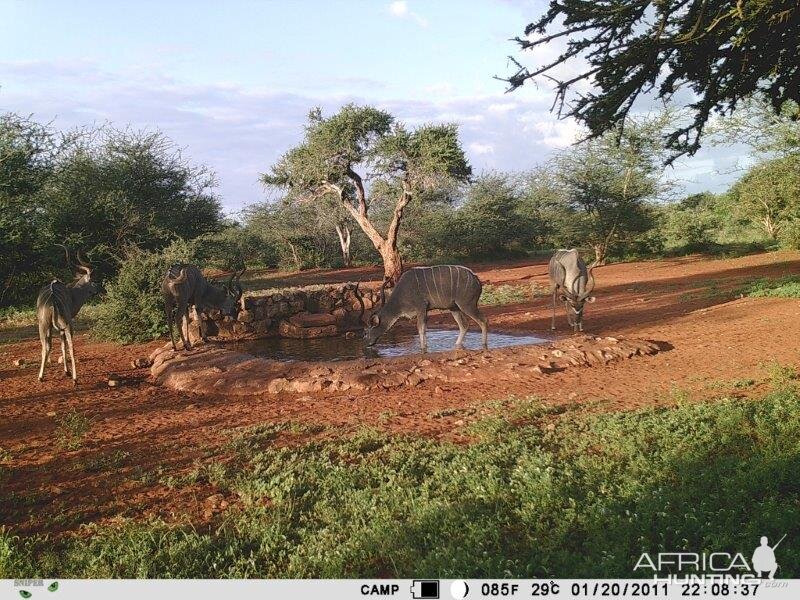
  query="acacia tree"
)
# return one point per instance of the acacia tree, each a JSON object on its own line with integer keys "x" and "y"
{"x": 361, "y": 155}
{"x": 769, "y": 194}
{"x": 607, "y": 184}
{"x": 722, "y": 50}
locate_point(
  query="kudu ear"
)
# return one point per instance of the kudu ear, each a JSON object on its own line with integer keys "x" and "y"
{"x": 563, "y": 297}
{"x": 590, "y": 299}
{"x": 374, "y": 320}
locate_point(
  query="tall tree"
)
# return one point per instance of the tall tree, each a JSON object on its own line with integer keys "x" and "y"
{"x": 769, "y": 194}
{"x": 27, "y": 156}
{"x": 608, "y": 183}
{"x": 360, "y": 156}
{"x": 119, "y": 187}
{"x": 722, "y": 50}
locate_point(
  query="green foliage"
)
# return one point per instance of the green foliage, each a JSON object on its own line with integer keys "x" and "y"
{"x": 401, "y": 165}
{"x": 769, "y": 195}
{"x": 133, "y": 309}
{"x": 557, "y": 496}
{"x": 691, "y": 223}
{"x": 98, "y": 190}
{"x": 607, "y": 185}
{"x": 27, "y": 155}
{"x": 783, "y": 287}
{"x": 495, "y": 295}
{"x": 723, "y": 51}
{"x": 71, "y": 427}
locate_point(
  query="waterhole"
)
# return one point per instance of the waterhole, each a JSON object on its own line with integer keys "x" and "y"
{"x": 397, "y": 342}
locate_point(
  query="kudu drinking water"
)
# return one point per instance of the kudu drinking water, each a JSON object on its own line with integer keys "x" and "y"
{"x": 56, "y": 307}
{"x": 184, "y": 286}
{"x": 443, "y": 287}
{"x": 572, "y": 283}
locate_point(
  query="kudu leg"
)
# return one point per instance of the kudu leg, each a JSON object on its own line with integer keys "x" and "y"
{"x": 553, "y": 322}
{"x": 183, "y": 325}
{"x": 476, "y": 315}
{"x": 45, "y": 339}
{"x": 64, "y": 363}
{"x": 462, "y": 327}
{"x": 422, "y": 325}
{"x": 68, "y": 332}
{"x": 169, "y": 310}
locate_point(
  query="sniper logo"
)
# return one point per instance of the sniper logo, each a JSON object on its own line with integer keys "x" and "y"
{"x": 50, "y": 588}
{"x": 764, "y": 558}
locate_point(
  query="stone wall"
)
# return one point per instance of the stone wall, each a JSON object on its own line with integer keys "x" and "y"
{"x": 307, "y": 312}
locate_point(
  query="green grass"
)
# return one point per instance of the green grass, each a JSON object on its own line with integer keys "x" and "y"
{"x": 782, "y": 287}
{"x": 495, "y": 295}
{"x": 71, "y": 427}
{"x": 556, "y": 495}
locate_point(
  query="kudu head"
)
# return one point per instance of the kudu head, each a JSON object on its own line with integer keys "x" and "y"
{"x": 378, "y": 322}
{"x": 233, "y": 294}
{"x": 575, "y": 300}
{"x": 83, "y": 275}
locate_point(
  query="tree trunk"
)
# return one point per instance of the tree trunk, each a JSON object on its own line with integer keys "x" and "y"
{"x": 387, "y": 247}
{"x": 295, "y": 256}
{"x": 771, "y": 227}
{"x": 392, "y": 262}
{"x": 344, "y": 242}
{"x": 600, "y": 251}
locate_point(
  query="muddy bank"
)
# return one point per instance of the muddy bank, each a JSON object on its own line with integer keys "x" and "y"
{"x": 213, "y": 368}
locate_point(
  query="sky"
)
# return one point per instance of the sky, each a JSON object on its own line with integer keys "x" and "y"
{"x": 231, "y": 83}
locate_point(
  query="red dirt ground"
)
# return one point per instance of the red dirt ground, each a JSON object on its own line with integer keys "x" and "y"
{"x": 141, "y": 433}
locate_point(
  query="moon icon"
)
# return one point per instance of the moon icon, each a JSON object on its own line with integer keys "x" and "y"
{"x": 459, "y": 589}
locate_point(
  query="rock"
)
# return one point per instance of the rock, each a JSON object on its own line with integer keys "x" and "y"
{"x": 414, "y": 379}
{"x": 277, "y": 385}
{"x": 313, "y": 320}
{"x": 52, "y": 413}
{"x": 141, "y": 363}
{"x": 20, "y": 362}
{"x": 304, "y": 386}
{"x": 114, "y": 381}
{"x": 558, "y": 353}
{"x": 438, "y": 391}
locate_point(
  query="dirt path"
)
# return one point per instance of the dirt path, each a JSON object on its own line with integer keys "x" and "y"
{"x": 139, "y": 435}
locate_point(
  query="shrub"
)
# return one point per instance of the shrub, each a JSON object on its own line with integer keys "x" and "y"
{"x": 133, "y": 310}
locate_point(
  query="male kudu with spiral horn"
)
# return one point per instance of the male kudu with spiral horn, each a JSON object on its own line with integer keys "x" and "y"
{"x": 572, "y": 283}
{"x": 56, "y": 308}
{"x": 184, "y": 286}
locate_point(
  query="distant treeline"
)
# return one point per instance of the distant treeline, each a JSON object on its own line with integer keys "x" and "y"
{"x": 116, "y": 194}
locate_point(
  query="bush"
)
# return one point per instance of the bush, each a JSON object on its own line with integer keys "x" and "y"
{"x": 133, "y": 310}
{"x": 789, "y": 235}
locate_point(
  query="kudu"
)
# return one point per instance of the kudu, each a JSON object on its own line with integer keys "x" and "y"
{"x": 572, "y": 283}
{"x": 56, "y": 307}
{"x": 184, "y": 286}
{"x": 420, "y": 289}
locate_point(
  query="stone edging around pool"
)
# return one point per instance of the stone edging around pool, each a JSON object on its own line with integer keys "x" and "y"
{"x": 213, "y": 368}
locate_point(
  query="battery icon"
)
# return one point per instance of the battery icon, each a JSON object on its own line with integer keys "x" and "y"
{"x": 422, "y": 589}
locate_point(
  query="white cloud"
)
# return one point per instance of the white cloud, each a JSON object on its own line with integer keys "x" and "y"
{"x": 556, "y": 134}
{"x": 239, "y": 132}
{"x": 502, "y": 107}
{"x": 479, "y": 148}
{"x": 399, "y": 10}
